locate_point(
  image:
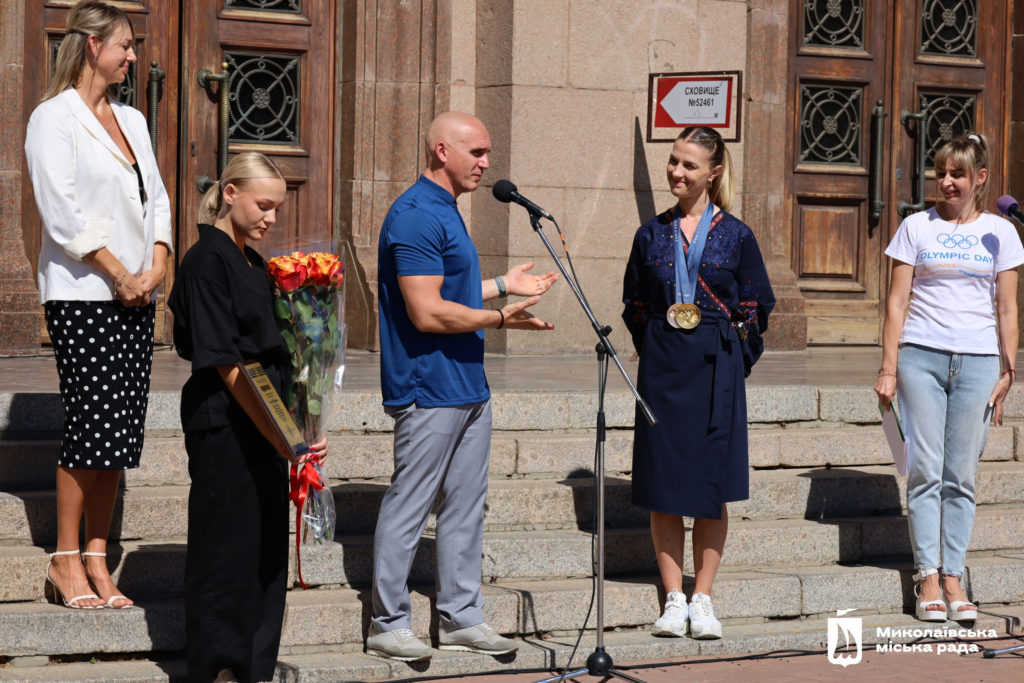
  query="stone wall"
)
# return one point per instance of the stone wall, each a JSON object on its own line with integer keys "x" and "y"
{"x": 19, "y": 298}
{"x": 395, "y": 70}
{"x": 766, "y": 208}
{"x": 563, "y": 89}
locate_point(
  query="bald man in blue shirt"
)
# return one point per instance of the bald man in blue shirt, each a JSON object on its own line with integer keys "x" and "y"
{"x": 430, "y": 298}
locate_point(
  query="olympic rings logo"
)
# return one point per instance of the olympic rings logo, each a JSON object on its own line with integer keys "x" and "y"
{"x": 958, "y": 241}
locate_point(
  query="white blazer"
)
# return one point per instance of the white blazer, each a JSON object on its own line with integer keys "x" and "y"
{"x": 88, "y": 196}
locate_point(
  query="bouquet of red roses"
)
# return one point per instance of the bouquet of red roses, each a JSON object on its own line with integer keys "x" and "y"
{"x": 310, "y": 315}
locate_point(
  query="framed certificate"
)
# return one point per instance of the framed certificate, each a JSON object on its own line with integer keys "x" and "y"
{"x": 272, "y": 405}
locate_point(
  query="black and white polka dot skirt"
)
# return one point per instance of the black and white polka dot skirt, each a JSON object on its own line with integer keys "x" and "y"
{"x": 104, "y": 355}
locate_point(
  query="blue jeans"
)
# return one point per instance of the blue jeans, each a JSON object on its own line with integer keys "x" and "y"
{"x": 943, "y": 400}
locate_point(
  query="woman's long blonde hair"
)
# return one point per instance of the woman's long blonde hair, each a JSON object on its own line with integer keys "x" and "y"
{"x": 87, "y": 18}
{"x": 721, "y": 191}
{"x": 241, "y": 169}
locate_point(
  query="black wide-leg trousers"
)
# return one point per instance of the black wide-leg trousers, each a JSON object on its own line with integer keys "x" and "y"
{"x": 237, "y": 563}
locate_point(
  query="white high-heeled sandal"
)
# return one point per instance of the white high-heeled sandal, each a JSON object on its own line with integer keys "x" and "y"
{"x": 957, "y": 614}
{"x": 73, "y": 602}
{"x": 921, "y": 609}
{"x": 113, "y": 598}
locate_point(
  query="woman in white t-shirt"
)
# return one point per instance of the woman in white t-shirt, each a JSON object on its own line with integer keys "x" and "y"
{"x": 949, "y": 345}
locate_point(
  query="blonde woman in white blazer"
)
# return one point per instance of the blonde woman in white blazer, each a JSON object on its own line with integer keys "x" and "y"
{"x": 106, "y": 239}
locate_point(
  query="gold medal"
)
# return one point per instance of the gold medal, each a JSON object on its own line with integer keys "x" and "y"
{"x": 687, "y": 316}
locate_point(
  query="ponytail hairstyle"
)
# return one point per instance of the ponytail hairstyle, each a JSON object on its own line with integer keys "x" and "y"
{"x": 969, "y": 152}
{"x": 240, "y": 170}
{"x": 87, "y": 18}
{"x": 721, "y": 191}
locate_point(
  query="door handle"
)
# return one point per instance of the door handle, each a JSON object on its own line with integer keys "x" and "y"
{"x": 156, "y": 77}
{"x": 878, "y": 115}
{"x": 206, "y": 80}
{"x": 908, "y": 119}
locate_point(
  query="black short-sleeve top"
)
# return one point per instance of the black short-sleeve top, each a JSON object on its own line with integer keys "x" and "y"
{"x": 223, "y": 305}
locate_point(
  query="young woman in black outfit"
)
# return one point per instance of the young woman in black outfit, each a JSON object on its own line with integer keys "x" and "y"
{"x": 237, "y": 563}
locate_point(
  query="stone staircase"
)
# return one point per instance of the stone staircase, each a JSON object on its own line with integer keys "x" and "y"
{"x": 823, "y": 530}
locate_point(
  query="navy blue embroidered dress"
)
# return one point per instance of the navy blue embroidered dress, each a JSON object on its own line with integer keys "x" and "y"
{"x": 695, "y": 458}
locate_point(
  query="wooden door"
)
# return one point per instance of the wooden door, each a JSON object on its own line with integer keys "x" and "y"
{"x": 952, "y": 70}
{"x": 842, "y": 64}
{"x": 155, "y": 23}
{"x": 280, "y": 57}
{"x": 281, "y": 64}
{"x": 855, "y": 62}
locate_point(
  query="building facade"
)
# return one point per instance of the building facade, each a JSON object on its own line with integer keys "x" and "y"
{"x": 842, "y": 104}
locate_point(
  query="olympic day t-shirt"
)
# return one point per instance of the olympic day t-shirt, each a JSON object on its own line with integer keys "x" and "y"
{"x": 952, "y": 298}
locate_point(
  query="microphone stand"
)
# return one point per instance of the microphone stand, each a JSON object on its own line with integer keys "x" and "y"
{"x": 599, "y": 663}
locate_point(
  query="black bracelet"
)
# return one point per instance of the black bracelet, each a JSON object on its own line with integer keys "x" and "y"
{"x": 502, "y": 323}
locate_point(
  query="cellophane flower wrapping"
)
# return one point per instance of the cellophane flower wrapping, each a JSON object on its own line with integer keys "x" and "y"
{"x": 310, "y": 314}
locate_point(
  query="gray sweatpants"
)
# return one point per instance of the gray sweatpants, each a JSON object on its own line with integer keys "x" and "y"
{"x": 440, "y": 454}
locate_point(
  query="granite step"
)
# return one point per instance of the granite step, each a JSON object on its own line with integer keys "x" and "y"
{"x": 337, "y": 618}
{"x": 814, "y": 445}
{"x": 24, "y": 413}
{"x": 155, "y": 568}
{"x": 556, "y": 454}
{"x": 540, "y": 555}
{"x": 535, "y": 654}
{"x": 160, "y": 512}
{"x": 30, "y": 464}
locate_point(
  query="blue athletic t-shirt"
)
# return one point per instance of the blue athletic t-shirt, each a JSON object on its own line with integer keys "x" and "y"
{"x": 424, "y": 234}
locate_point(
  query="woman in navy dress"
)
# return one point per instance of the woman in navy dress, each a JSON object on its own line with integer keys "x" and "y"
{"x": 692, "y": 369}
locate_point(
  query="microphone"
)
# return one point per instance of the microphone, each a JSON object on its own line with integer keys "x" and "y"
{"x": 1006, "y": 204}
{"x": 505, "y": 191}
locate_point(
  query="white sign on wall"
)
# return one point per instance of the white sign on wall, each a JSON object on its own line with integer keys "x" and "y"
{"x": 678, "y": 100}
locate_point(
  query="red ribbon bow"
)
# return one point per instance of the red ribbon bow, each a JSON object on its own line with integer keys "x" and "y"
{"x": 302, "y": 479}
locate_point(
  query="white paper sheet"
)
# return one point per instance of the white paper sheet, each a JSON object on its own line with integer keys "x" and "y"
{"x": 894, "y": 436}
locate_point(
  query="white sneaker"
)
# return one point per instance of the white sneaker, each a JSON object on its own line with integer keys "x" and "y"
{"x": 674, "y": 621}
{"x": 703, "y": 623}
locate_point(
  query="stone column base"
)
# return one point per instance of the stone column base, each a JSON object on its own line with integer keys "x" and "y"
{"x": 787, "y": 325}
{"x": 19, "y": 318}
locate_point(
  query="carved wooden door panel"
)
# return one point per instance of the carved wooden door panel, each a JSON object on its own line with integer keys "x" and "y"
{"x": 859, "y": 65}
{"x": 842, "y": 65}
{"x": 156, "y": 32}
{"x": 952, "y": 77}
{"x": 280, "y": 71}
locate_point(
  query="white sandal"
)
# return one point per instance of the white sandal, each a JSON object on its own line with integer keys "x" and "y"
{"x": 113, "y": 598}
{"x": 921, "y": 610}
{"x": 957, "y": 614}
{"x": 73, "y": 602}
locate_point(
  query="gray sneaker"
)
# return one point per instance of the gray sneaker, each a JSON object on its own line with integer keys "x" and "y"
{"x": 480, "y": 638}
{"x": 400, "y": 643}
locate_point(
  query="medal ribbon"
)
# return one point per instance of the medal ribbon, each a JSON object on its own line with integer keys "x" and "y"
{"x": 688, "y": 264}
{"x": 302, "y": 479}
